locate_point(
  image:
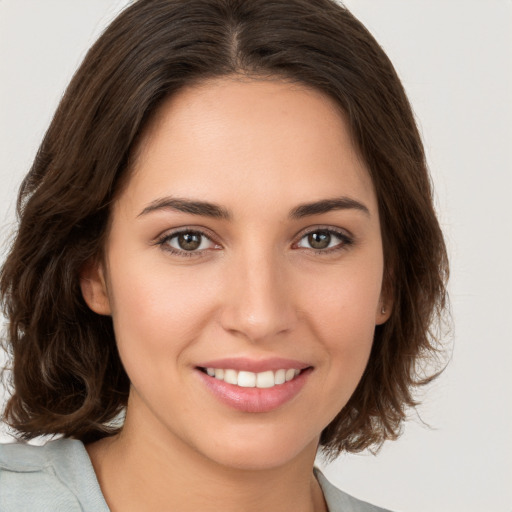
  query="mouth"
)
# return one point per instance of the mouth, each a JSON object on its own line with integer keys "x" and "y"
{"x": 253, "y": 387}
{"x": 245, "y": 379}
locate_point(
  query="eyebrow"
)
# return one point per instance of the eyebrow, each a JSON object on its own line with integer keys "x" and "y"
{"x": 201, "y": 208}
{"x": 327, "y": 205}
{"x": 207, "y": 209}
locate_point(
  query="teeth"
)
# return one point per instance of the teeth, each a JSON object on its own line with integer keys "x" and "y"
{"x": 267, "y": 379}
{"x": 230, "y": 377}
{"x": 280, "y": 377}
{"x": 289, "y": 374}
{"x": 246, "y": 379}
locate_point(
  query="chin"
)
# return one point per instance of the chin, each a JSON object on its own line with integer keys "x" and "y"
{"x": 260, "y": 451}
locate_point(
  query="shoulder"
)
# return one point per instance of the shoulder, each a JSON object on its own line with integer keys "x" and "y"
{"x": 339, "y": 501}
{"x": 55, "y": 477}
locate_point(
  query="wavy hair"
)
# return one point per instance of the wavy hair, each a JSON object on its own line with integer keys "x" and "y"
{"x": 67, "y": 377}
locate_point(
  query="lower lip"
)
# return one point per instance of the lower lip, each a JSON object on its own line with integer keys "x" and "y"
{"x": 255, "y": 399}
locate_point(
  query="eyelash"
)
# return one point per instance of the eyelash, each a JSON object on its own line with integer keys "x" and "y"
{"x": 345, "y": 241}
{"x": 164, "y": 240}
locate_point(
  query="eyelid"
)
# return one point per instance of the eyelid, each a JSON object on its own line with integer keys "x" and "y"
{"x": 347, "y": 239}
{"x": 171, "y": 233}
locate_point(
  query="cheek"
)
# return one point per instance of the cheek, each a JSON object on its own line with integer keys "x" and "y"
{"x": 345, "y": 300}
{"x": 157, "y": 313}
{"x": 342, "y": 313}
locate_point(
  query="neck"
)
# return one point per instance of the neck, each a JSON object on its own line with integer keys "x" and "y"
{"x": 154, "y": 472}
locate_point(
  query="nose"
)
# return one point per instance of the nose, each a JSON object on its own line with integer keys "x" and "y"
{"x": 259, "y": 303}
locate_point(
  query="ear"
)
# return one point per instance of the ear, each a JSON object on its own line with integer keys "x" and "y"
{"x": 384, "y": 310}
{"x": 94, "y": 288}
{"x": 385, "y": 305}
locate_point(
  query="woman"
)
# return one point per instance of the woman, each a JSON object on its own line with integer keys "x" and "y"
{"x": 227, "y": 257}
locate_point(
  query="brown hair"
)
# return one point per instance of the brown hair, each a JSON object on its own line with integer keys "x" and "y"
{"x": 67, "y": 377}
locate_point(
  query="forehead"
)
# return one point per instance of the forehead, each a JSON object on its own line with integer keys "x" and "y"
{"x": 272, "y": 139}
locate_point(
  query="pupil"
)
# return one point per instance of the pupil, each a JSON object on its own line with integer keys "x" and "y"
{"x": 189, "y": 241}
{"x": 319, "y": 240}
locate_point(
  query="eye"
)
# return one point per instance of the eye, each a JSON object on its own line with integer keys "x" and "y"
{"x": 188, "y": 241}
{"x": 324, "y": 240}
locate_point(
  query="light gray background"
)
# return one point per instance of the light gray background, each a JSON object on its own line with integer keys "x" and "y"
{"x": 455, "y": 59}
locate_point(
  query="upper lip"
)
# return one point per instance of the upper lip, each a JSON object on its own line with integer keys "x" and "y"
{"x": 255, "y": 365}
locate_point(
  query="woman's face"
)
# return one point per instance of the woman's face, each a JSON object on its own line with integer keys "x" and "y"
{"x": 246, "y": 243}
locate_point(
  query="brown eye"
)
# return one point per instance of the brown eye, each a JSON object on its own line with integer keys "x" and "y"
{"x": 189, "y": 241}
{"x": 319, "y": 239}
{"x": 324, "y": 240}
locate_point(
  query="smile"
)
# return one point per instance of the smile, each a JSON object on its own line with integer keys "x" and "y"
{"x": 246, "y": 379}
{"x": 254, "y": 386}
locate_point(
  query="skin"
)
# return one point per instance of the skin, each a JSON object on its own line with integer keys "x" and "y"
{"x": 259, "y": 149}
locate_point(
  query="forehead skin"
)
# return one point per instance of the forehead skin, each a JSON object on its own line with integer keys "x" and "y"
{"x": 304, "y": 129}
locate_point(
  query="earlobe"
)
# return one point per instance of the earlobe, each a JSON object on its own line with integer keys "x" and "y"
{"x": 383, "y": 312}
{"x": 94, "y": 289}
{"x": 385, "y": 305}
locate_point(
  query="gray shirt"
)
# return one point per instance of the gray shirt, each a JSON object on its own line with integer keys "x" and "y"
{"x": 59, "y": 477}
